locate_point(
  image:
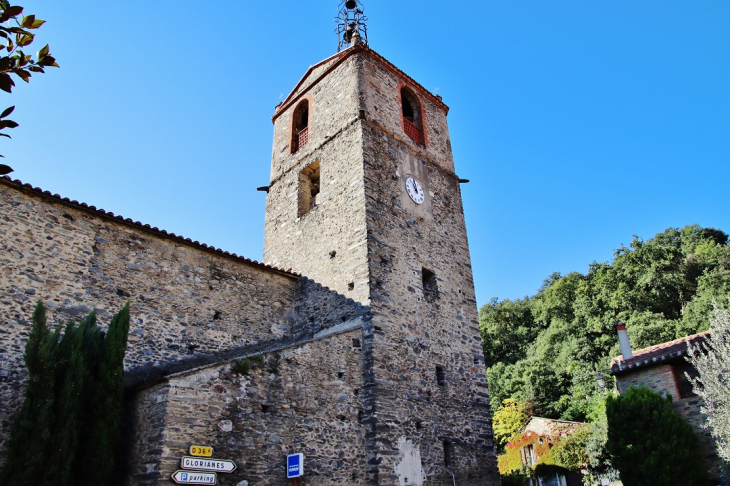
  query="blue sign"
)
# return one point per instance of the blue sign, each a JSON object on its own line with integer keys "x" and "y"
{"x": 294, "y": 465}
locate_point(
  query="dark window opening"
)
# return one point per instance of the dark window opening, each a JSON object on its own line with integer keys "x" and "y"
{"x": 351, "y": 286}
{"x": 216, "y": 315}
{"x": 355, "y": 343}
{"x": 430, "y": 286}
{"x": 419, "y": 425}
{"x": 333, "y": 254}
{"x": 440, "y": 376}
{"x": 684, "y": 386}
{"x": 359, "y": 416}
{"x": 308, "y": 187}
{"x": 411, "y": 110}
{"x": 448, "y": 453}
{"x": 407, "y": 109}
{"x": 300, "y": 135}
{"x": 340, "y": 375}
{"x": 267, "y": 408}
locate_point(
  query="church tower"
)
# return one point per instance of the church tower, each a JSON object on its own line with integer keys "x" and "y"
{"x": 363, "y": 199}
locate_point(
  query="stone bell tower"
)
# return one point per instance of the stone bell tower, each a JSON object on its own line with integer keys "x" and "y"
{"x": 363, "y": 199}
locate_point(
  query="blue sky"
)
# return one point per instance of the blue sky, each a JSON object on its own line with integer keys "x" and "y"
{"x": 579, "y": 123}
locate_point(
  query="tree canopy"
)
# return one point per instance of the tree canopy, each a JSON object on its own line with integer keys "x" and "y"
{"x": 545, "y": 349}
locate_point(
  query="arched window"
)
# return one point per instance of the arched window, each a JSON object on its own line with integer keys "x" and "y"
{"x": 300, "y": 127}
{"x": 412, "y": 118}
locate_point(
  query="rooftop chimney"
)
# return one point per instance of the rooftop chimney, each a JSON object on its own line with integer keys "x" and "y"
{"x": 623, "y": 341}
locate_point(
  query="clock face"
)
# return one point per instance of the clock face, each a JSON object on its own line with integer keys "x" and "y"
{"x": 415, "y": 190}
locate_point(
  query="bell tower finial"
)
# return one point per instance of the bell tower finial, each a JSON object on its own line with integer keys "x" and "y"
{"x": 351, "y": 27}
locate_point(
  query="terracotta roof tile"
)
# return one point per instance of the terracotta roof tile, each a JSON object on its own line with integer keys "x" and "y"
{"x": 658, "y": 353}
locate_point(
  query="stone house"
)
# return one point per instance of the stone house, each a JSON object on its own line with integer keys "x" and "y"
{"x": 534, "y": 442}
{"x": 664, "y": 368}
{"x": 362, "y": 323}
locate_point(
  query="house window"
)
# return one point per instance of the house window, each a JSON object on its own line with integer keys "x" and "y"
{"x": 430, "y": 286}
{"x": 412, "y": 117}
{"x": 308, "y": 187}
{"x": 684, "y": 386}
{"x": 528, "y": 455}
{"x": 300, "y": 129}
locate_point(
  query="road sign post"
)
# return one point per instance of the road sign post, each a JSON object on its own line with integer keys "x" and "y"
{"x": 194, "y": 477}
{"x": 294, "y": 466}
{"x": 202, "y": 464}
{"x": 204, "y": 451}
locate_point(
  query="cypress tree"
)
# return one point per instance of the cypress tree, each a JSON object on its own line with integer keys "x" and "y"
{"x": 67, "y": 427}
{"x": 28, "y": 431}
{"x": 71, "y": 371}
{"x": 96, "y": 461}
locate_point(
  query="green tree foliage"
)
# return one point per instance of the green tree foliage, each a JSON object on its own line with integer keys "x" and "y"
{"x": 544, "y": 350}
{"x": 712, "y": 362}
{"x": 570, "y": 451}
{"x": 598, "y": 463}
{"x": 71, "y": 417}
{"x": 508, "y": 419}
{"x": 16, "y": 35}
{"x": 649, "y": 443}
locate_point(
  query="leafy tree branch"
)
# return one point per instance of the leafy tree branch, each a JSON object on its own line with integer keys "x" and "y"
{"x": 14, "y": 60}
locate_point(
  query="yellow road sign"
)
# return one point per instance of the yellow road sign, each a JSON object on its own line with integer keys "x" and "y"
{"x": 202, "y": 451}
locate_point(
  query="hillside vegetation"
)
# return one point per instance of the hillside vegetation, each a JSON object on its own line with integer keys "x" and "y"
{"x": 545, "y": 349}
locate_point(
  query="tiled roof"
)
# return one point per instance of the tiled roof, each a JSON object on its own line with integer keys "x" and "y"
{"x": 545, "y": 427}
{"x": 656, "y": 354}
{"x": 160, "y": 233}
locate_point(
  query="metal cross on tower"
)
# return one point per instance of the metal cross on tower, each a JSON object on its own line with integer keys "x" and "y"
{"x": 351, "y": 24}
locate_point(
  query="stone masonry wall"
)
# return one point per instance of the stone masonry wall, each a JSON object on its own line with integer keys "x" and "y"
{"x": 380, "y": 98}
{"x": 411, "y": 414}
{"x": 304, "y": 398}
{"x": 189, "y": 306}
{"x": 328, "y": 244}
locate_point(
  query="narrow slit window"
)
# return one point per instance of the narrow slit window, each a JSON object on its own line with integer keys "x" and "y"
{"x": 440, "y": 376}
{"x": 430, "y": 285}
{"x": 308, "y": 187}
{"x": 448, "y": 453}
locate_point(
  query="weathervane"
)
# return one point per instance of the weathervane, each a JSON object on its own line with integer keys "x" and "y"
{"x": 351, "y": 27}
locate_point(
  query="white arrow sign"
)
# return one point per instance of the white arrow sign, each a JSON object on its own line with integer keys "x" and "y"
{"x": 204, "y": 464}
{"x": 194, "y": 477}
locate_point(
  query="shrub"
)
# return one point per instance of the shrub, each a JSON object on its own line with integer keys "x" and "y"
{"x": 651, "y": 445}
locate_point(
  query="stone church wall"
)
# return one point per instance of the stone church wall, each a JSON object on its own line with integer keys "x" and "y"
{"x": 328, "y": 243}
{"x": 381, "y": 100}
{"x": 304, "y": 398}
{"x": 190, "y": 305}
